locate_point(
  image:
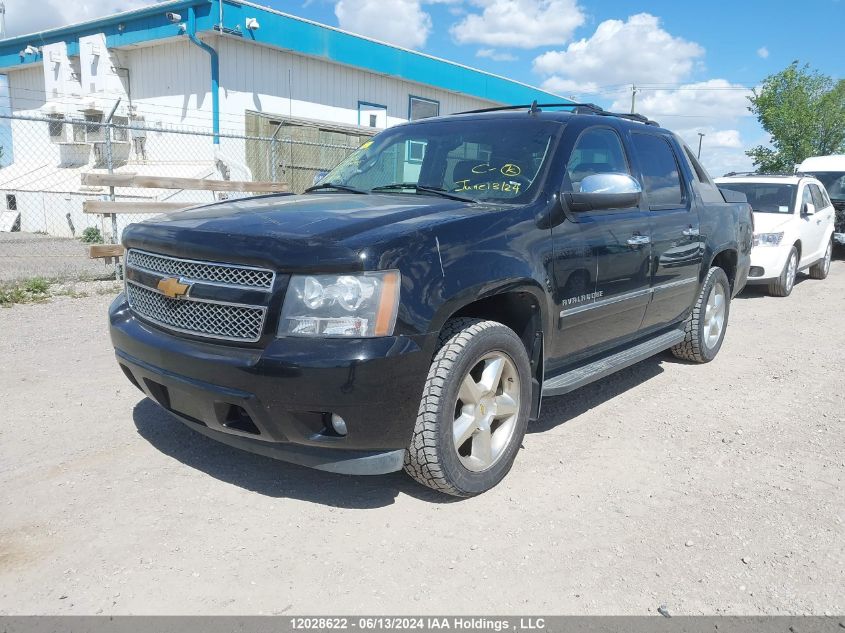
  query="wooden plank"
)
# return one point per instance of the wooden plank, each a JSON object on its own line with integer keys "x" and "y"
{"x": 96, "y": 251}
{"x": 108, "y": 207}
{"x": 167, "y": 182}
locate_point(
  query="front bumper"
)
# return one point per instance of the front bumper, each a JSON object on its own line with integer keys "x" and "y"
{"x": 767, "y": 263}
{"x": 278, "y": 400}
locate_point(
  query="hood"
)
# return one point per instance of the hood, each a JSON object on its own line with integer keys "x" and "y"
{"x": 294, "y": 231}
{"x": 771, "y": 222}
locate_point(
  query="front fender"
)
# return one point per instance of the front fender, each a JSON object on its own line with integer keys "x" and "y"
{"x": 486, "y": 289}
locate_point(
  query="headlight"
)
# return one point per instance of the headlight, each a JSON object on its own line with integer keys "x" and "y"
{"x": 768, "y": 239}
{"x": 359, "y": 305}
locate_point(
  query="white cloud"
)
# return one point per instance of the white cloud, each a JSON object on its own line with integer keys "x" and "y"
{"x": 722, "y": 151}
{"x": 571, "y": 87}
{"x": 715, "y": 102}
{"x": 763, "y": 52}
{"x": 401, "y": 22}
{"x": 519, "y": 23}
{"x": 498, "y": 56}
{"x": 22, "y": 18}
{"x": 637, "y": 50}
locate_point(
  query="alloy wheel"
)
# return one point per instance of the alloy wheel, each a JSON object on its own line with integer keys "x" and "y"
{"x": 791, "y": 271}
{"x": 486, "y": 411}
{"x": 714, "y": 315}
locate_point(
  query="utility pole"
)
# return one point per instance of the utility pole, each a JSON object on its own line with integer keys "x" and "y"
{"x": 701, "y": 135}
{"x": 633, "y": 99}
{"x": 2, "y": 20}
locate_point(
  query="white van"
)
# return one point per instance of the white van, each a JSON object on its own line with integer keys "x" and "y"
{"x": 830, "y": 170}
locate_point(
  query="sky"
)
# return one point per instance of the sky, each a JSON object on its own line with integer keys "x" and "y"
{"x": 694, "y": 64}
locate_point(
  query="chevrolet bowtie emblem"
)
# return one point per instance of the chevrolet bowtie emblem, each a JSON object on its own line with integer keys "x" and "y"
{"x": 173, "y": 288}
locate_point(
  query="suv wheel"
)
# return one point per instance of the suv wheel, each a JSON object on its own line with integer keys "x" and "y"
{"x": 783, "y": 285}
{"x": 474, "y": 409}
{"x": 705, "y": 328}
{"x": 821, "y": 268}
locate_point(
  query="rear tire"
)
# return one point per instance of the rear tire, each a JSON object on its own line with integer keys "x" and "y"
{"x": 783, "y": 285}
{"x": 821, "y": 268}
{"x": 706, "y": 326}
{"x": 474, "y": 409}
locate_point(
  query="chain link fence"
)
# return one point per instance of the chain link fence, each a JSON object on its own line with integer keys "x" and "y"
{"x": 44, "y": 228}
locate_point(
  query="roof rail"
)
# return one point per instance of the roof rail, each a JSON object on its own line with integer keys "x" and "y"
{"x": 730, "y": 174}
{"x": 577, "y": 108}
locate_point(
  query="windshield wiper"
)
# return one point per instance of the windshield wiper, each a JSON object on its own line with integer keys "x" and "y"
{"x": 334, "y": 185}
{"x": 437, "y": 191}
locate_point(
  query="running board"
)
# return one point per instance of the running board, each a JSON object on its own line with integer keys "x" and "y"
{"x": 571, "y": 380}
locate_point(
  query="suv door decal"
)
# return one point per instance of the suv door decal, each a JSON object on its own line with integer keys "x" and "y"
{"x": 624, "y": 297}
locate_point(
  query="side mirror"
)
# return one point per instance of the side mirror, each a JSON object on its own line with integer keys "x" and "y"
{"x": 809, "y": 209}
{"x": 605, "y": 191}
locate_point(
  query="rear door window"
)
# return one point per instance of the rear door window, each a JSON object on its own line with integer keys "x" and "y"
{"x": 818, "y": 198}
{"x": 661, "y": 177}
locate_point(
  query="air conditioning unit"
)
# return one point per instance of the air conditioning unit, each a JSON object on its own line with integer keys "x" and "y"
{"x": 119, "y": 154}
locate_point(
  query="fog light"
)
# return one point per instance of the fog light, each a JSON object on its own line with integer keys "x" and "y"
{"x": 338, "y": 424}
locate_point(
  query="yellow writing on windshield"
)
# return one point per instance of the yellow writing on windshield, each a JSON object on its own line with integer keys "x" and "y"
{"x": 508, "y": 169}
{"x": 508, "y": 187}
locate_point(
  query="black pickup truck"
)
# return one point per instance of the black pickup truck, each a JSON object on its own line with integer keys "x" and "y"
{"x": 413, "y": 308}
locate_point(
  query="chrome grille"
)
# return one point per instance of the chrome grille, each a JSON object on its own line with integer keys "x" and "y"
{"x": 229, "y": 321}
{"x": 220, "y": 274}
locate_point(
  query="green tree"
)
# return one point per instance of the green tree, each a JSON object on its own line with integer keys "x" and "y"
{"x": 804, "y": 112}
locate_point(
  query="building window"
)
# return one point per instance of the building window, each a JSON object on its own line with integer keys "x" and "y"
{"x": 56, "y": 127}
{"x": 421, "y": 108}
{"x": 372, "y": 115}
{"x": 415, "y": 151}
{"x": 11, "y": 202}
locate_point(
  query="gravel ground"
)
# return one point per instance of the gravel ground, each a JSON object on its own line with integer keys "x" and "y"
{"x": 708, "y": 489}
{"x": 26, "y": 255}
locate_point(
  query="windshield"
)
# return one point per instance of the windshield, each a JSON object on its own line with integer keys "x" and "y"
{"x": 493, "y": 159}
{"x": 833, "y": 181}
{"x": 766, "y": 197}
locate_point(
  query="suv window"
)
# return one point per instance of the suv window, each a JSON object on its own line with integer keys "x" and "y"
{"x": 806, "y": 198}
{"x": 766, "y": 197}
{"x": 818, "y": 198}
{"x": 660, "y": 171}
{"x": 597, "y": 151}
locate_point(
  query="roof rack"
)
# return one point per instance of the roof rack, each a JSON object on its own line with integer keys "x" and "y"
{"x": 731, "y": 174}
{"x": 577, "y": 108}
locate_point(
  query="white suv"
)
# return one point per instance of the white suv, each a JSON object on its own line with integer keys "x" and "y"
{"x": 793, "y": 227}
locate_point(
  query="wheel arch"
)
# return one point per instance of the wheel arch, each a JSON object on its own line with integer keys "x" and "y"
{"x": 520, "y": 305}
{"x": 727, "y": 259}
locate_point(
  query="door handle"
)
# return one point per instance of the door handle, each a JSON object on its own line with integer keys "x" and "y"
{"x": 639, "y": 240}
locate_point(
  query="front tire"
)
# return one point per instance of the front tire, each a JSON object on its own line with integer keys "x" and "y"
{"x": 821, "y": 268}
{"x": 474, "y": 409}
{"x": 783, "y": 285}
{"x": 706, "y": 326}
